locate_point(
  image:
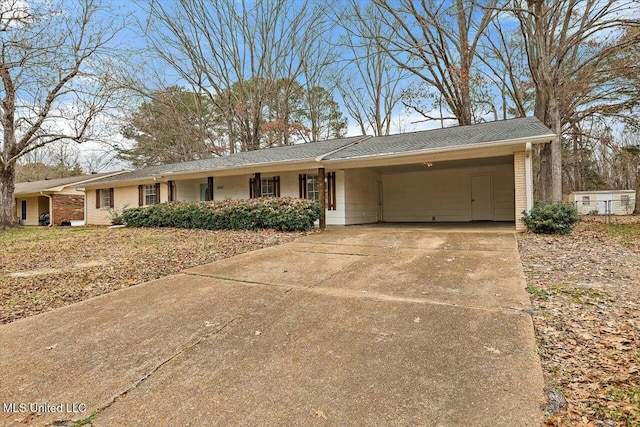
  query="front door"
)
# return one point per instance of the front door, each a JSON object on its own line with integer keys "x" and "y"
{"x": 481, "y": 198}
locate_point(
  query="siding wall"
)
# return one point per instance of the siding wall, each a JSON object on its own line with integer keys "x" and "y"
{"x": 234, "y": 187}
{"x": 444, "y": 194}
{"x": 122, "y": 197}
{"x": 361, "y": 205}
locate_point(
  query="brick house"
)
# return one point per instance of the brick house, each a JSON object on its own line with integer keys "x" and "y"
{"x": 479, "y": 172}
{"x": 58, "y": 197}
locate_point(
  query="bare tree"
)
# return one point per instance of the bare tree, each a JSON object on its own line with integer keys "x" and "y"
{"x": 571, "y": 46}
{"x": 434, "y": 41}
{"x": 55, "y": 79}
{"x": 369, "y": 81}
{"x": 238, "y": 54}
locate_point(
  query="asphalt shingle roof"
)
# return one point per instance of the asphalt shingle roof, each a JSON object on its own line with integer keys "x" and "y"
{"x": 37, "y": 186}
{"x": 354, "y": 147}
{"x": 457, "y": 136}
{"x": 293, "y": 153}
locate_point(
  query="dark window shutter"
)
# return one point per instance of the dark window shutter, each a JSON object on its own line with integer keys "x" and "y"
{"x": 140, "y": 195}
{"x": 210, "y": 188}
{"x": 157, "y": 192}
{"x": 258, "y": 182}
{"x": 252, "y": 186}
{"x": 331, "y": 191}
{"x": 97, "y": 199}
{"x": 170, "y": 191}
{"x": 111, "y": 202}
{"x": 276, "y": 186}
{"x": 302, "y": 185}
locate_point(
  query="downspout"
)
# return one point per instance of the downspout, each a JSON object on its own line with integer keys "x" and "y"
{"x": 50, "y": 208}
{"x": 528, "y": 176}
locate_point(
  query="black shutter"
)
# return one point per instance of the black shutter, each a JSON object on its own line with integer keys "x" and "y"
{"x": 97, "y": 199}
{"x": 157, "y": 192}
{"x": 252, "y": 187}
{"x": 331, "y": 191}
{"x": 210, "y": 184}
{"x": 111, "y": 202}
{"x": 302, "y": 185}
{"x": 276, "y": 186}
{"x": 258, "y": 183}
{"x": 140, "y": 195}
{"x": 170, "y": 188}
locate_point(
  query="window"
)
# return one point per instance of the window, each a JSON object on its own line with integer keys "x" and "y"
{"x": 625, "y": 200}
{"x": 150, "y": 195}
{"x": 104, "y": 198}
{"x": 312, "y": 188}
{"x": 586, "y": 201}
{"x": 23, "y": 210}
{"x": 268, "y": 188}
{"x": 308, "y": 186}
{"x": 264, "y": 187}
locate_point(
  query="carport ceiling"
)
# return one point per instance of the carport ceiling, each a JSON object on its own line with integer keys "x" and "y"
{"x": 451, "y": 164}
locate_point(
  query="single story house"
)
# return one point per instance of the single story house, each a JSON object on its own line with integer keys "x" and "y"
{"x": 479, "y": 172}
{"x": 57, "y": 197}
{"x": 604, "y": 202}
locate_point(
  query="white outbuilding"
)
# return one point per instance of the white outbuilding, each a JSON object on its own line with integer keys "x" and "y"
{"x": 605, "y": 202}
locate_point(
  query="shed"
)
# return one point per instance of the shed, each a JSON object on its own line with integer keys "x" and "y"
{"x": 604, "y": 202}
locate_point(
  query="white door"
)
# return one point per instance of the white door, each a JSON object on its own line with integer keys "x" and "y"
{"x": 481, "y": 199}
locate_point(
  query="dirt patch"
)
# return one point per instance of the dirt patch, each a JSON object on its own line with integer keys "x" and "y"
{"x": 585, "y": 291}
{"x": 45, "y": 268}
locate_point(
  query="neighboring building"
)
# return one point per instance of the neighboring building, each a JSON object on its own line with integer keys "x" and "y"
{"x": 607, "y": 202}
{"x": 467, "y": 173}
{"x": 57, "y": 197}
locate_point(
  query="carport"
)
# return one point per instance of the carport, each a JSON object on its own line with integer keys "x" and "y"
{"x": 461, "y": 174}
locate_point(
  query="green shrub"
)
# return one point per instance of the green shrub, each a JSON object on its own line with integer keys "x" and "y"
{"x": 282, "y": 214}
{"x": 551, "y": 218}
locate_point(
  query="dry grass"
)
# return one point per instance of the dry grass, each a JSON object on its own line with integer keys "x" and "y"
{"x": 585, "y": 290}
{"x": 45, "y": 268}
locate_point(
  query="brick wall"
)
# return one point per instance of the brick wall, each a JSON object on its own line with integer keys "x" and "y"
{"x": 519, "y": 159}
{"x": 67, "y": 208}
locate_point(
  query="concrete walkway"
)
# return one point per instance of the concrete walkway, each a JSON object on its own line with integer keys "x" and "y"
{"x": 353, "y": 326}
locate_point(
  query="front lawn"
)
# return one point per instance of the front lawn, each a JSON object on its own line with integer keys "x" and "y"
{"x": 44, "y": 268}
{"x": 585, "y": 291}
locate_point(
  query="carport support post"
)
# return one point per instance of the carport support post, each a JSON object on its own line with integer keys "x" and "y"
{"x": 322, "y": 199}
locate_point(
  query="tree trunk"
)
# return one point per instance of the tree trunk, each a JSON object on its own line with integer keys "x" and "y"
{"x": 637, "y": 207}
{"x": 7, "y": 199}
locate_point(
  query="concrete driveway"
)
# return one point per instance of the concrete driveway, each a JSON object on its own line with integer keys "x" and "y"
{"x": 353, "y": 326}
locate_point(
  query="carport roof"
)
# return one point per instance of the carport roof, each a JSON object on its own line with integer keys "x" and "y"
{"x": 458, "y": 136}
{"x": 352, "y": 148}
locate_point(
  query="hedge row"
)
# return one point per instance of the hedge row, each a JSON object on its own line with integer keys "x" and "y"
{"x": 282, "y": 214}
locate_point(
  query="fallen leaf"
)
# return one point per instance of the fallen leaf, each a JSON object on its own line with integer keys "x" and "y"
{"x": 416, "y": 320}
{"x": 320, "y": 414}
{"x": 492, "y": 350}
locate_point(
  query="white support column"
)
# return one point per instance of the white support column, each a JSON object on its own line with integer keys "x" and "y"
{"x": 528, "y": 176}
